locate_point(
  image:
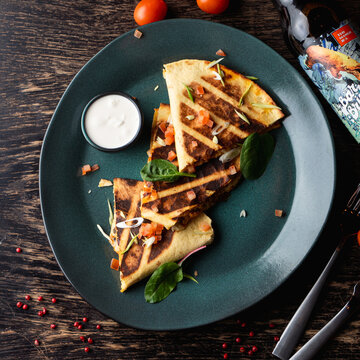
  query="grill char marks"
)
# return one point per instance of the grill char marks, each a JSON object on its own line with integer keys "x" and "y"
{"x": 198, "y": 151}
{"x": 158, "y": 248}
{"x": 131, "y": 260}
{"x": 226, "y": 111}
{"x": 232, "y": 91}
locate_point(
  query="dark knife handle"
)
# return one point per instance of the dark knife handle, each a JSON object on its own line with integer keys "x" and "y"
{"x": 291, "y": 335}
{"x": 310, "y": 349}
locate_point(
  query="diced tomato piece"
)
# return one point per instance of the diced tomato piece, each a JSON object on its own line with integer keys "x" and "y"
{"x": 170, "y": 131}
{"x": 95, "y": 167}
{"x": 232, "y": 170}
{"x": 85, "y": 169}
{"x": 154, "y": 194}
{"x": 114, "y": 264}
{"x": 169, "y": 140}
{"x": 220, "y": 53}
{"x": 154, "y": 208}
{"x": 203, "y": 117}
{"x": 199, "y": 90}
{"x": 149, "y": 153}
{"x": 210, "y": 123}
{"x": 191, "y": 195}
{"x": 163, "y": 127}
{"x": 204, "y": 226}
{"x": 171, "y": 155}
{"x": 159, "y": 229}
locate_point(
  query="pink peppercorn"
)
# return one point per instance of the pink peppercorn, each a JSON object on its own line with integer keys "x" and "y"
{"x": 90, "y": 340}
{"x": 85, "y": 319}
{"x": 243, "y": 324}
{"x": 76, "y": 323}
{"x": 25, "y": 306}
{"x": 226, "y": 355}
{"x": 18, "y": 250}
{"x": 224, "y": 345}
{"x": 276, "y": 338}
{"x": 82, "y": 338}
{"x": 27, "y": 297}
{"x": 44, "y": 310}
{"x": 242, "y": 349}
{"x": 53, "y": 300}
{"x": 86, "y": 349}
{"x": 237, "y": 339}
{"x": 80, "y": 327}
{"x": 53, "y": 326}
{"x": 271, "y": 325}
{"x": 40, "y": 313}
{"x": 36, "y": 342}
{"x": 251, "y": 333}
{"x": 98, "y": 327}
{"x": 19, "y": 304}
{"x": 40, "y": 298}
{"x": 250, "y": 352}
{"x": 254, "y": 348}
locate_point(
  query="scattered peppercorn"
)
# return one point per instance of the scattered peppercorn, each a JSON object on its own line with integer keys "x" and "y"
{"x": 250, "y": 352}
{"x": 85, "y": 319}
{"x": 53, "y": 326}
{"x": 82, "y": 338}
{"x": 276, "y": 338}
{"x": 243, "y": 324}
{"x": 40, "y": 313}
{"x": 76, "y": 323}
{"x": 224, "y": 345}
{"x": 254, "y": 348}
{"x": 27, "y": 297}
{"x": 251, "y": 333}
{"x": 25, "y": 306}
{"x": 87, "y": 349}
{"x": 36, "y": 342}
{"x": 242, "y": 349}
{"x": 237, "y": 339}
{"x": 18, "y": 250}
{"x": 271, "y": 325}
{"x": 80, "y": 327}
{"x": 19, "y": 304}
{"x": 53, "y": 300}
{"x": 98, "y": 327}
{"x": 90, "y": 340}
{"x": 226, "y": 355}
{"x": 44, "y": 310}
{"x": 40, "y": 298}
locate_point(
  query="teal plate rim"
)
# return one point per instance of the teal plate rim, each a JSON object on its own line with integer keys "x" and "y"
{"x": 326, "y": 152}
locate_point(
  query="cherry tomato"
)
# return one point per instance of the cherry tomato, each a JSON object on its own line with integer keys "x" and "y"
{"x": 213, "y": 6}
{"x": 148, "y": 11}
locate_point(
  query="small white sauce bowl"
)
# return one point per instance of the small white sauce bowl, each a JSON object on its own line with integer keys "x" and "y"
{"x": 131, "y": 140}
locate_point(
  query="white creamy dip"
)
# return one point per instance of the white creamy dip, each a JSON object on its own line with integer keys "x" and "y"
{"x": 112, "y": 121}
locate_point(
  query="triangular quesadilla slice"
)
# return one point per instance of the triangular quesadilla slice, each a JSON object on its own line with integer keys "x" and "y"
{"x": 216, "y": 107}
{"x": 142, "y": 260}
{"x": 174, "y": 204}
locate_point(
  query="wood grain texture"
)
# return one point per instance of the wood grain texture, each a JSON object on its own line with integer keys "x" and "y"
{"x": 42, "y": 46}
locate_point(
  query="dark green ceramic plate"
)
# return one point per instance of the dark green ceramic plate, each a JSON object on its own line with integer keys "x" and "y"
{"x": 250, "y": 256}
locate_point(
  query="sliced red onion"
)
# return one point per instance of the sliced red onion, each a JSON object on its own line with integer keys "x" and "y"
{"x": 160, "y": 141}
{"x": 124, "y": 225}
{"x": 190, "y": 253}
{"x": 230, "y": 155}
{"x": 216, "y": 75}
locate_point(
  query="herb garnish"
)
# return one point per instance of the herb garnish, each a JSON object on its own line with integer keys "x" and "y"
{"x": 255, "y": 154}
{"x": 111, "y": 215}
{"x": 242, "y": 116}
{"x": 252, "y": 77}
{"x": 129, "y": 245}
{"x": 244, "y": 94}
{"x": 161, "y": 170}
{"x": 165, "y": 278}
{"x": 214, "y": 63}
{"x": 189, "y": 90}
{"x": 221, "y": 74}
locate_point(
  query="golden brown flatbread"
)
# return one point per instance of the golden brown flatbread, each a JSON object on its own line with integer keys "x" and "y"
{"x": 141, "y": 261}
{"x": 220, "y": 102}
{"x": 172, "y": 204}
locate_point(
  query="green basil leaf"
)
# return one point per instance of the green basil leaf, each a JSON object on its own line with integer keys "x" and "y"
{"x": 161, "y": 170}
{"x": 255, "y": 154}
{"x": 162, "y": 282}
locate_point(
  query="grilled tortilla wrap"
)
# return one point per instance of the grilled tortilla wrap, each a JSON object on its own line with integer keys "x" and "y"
{"x": 141, "y": 261}
{"x": 220, "y": 102}
{"x": 170, "y": 204}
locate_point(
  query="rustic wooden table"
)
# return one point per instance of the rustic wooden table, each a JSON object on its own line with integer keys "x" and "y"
{"x": 42, "y": 46}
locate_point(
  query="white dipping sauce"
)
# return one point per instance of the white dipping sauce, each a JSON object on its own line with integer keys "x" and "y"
{"x": 112, "y": 121}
